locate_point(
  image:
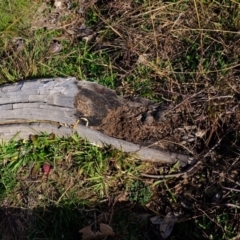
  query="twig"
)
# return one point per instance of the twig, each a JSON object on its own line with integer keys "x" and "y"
{"x": 205, "y": 214}
{"x": 192, "y": 96}
{"x": 231, "y": 189}
{"x": 194, "y": 164}
{"x": 231, "y": 205}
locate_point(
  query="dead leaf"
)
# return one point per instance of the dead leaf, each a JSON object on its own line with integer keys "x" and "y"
{"x": 61, "y": 4}
{"x": 55, "y": 47}
{"x": 104, "y": 231}
{"x": 142, "y": 59}
{"x": 166, "y": 226}
{"x": 200, "y": 133}
{"x": 156, "y": 220}
{"x": 122, "y": 197}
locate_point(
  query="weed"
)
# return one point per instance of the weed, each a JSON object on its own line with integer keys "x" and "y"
{"x": 34, "y": 61}
{"x": 15, "y": 17}
{"x": 140, "y": 193}
{"x": 94, "y": 168}
{"x": 91, "y": 18}
{"x": 80, "y": 174}
{"x": 192, "y": 62}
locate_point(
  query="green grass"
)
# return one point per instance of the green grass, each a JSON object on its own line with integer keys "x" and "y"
{"x": 81, "y": 175}
{"x": 91, "y": 169}
{"x": 190, "y": 47}
{"x": 78, "y": 60}
{"x": 14, "y": 15}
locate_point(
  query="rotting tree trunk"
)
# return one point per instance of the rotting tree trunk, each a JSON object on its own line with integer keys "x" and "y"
{"x": 56, "y": 105}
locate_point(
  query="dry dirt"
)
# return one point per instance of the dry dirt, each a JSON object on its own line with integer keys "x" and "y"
{"x": 139, "y": 120}
{"x": 151, "y": 125}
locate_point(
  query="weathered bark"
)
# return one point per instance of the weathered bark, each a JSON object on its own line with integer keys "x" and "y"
{"x": 55, "y": 105}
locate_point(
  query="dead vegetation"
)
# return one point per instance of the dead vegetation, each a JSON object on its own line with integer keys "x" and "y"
{"x": 184, "y": 54}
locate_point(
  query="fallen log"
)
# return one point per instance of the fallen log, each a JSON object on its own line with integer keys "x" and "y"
{"x": 58, "y": 104}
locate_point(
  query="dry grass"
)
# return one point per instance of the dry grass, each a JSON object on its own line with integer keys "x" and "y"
{"x": 183, "y": 53}
{"x": 186, "y": 53}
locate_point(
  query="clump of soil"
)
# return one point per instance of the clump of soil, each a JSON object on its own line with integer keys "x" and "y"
{"x": 138, "y": 125}
{"x": 145, "y": 125}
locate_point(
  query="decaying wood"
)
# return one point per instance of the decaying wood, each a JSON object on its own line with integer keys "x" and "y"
{"x": 55, "y": 105}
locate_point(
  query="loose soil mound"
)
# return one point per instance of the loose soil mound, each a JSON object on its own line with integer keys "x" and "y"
{"x": 139, "y": 125}
{"x": 149, "y": 126}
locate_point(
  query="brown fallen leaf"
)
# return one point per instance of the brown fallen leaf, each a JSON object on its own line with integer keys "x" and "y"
{"x": 104, "y": 231}
{"x": 61, "y": 4}
{"x": 55, "y": 47}
{"x": 122, "y": 197}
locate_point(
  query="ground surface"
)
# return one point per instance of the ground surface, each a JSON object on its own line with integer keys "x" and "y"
{"x": 184, "y": 56}
{"x": 145, "y": 126}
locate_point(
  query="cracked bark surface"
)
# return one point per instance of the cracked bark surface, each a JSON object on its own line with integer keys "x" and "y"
{"x": 56, "y": 104}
